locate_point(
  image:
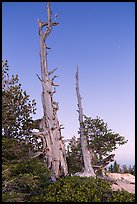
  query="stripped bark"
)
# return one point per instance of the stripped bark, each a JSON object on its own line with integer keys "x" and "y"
{"x": 88, "y": 169}
{"x": 53, "y": 150}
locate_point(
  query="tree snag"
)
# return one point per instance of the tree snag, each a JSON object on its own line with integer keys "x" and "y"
{"x": 53, "y": 147}
{"x": 88, "y": 169}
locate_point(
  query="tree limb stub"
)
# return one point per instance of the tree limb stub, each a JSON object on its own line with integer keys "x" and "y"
{"x": 37, "y": 154}
{"x": 41, "y": 24}
{"x": 39, "y": 134}
{"x": 50, "y": 72}
{"x": 54, "y": 77}
{"x": 53, "y": 84}
{"x": 48, "y": 48}
{"x": 39, "y": 77}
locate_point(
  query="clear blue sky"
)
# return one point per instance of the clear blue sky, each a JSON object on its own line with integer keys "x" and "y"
{"x": 100, "y": 38}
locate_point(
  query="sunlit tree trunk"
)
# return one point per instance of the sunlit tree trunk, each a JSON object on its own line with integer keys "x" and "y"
{"x": 88, "y": 169}
{"x": 53, "y": 146}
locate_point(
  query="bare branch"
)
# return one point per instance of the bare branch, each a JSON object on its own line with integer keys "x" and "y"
{"x": 54, "y": 77}
{"x": 61, "y": 127}
{"x": 39, "y": 134}
{"x": 56, "y": 15}
{"x": 52, "y": 93}
{"x": 41, "y": 24}
{"x": 39, "y": 77}
{"x": 37, "y": 154}
{"x": 49, "y": 14}
{"x": 48, "y": 48}
{"x": 54, "y": 84}
{"x": 49, "y": 73}
{"x": 54, "y": 23}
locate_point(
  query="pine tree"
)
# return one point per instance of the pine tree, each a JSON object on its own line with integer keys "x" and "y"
{"x": 74, "y": 156}
{"x": 133, "y": 170}
{"x": 111, "y": 168}
{"x": 101, "y": 139}
{"x": 116, "y": 167}
{"x": 124, "y": 168}
{"x": 17, "y": 108}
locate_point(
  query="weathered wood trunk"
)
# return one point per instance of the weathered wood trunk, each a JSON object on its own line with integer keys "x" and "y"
{"x": 53, "y": 146}
{"x": 88, "y": 169}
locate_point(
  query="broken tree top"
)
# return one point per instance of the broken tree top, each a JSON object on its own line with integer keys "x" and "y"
{"x": 49, "y": 24}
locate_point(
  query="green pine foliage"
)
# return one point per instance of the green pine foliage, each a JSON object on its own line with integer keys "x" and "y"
{"x": 22, "y": 176}
{"x": 116, "y": 168}
{"x": 122, "y": 196}
{"x": 133, "y": 170}
{"x": 77, "y": 189}
{"x": 100, "y": 138}
{"x": 17, "y": 108}
{"x": 111, "y": 168}
{"x": 124, "y": 169}
{"x": 74, "y": 156}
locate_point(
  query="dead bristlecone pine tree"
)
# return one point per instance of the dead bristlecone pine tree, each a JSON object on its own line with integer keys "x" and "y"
{"x": 88, "y": 169}
{"x": 50, "y": 129}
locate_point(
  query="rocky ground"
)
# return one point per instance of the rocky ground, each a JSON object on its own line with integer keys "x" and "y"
{"x": 124, "y": 181}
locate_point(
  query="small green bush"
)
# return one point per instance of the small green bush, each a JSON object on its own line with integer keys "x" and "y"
{"x": 13, "y": 197}
{"x": 22, "y": 177}
{"x": 122, "y": 196}
{"x": 77, "y": 189}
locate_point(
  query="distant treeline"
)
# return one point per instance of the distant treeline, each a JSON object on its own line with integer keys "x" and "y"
{"x": 115, "y": 168}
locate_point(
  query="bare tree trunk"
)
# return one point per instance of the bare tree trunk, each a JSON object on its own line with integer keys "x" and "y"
{"x": 88, "y": 169}
{"x": 53, "y": 146}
